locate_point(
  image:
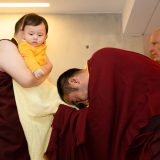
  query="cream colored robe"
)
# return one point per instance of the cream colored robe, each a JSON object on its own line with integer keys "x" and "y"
{"x": 36, "y": 107}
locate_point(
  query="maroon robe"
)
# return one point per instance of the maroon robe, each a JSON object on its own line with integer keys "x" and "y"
{"x": 124, "y": 103}
{"x": 124, "y": 94}
{"x": 68, "y": 137}
{"x": 13, "y": 145}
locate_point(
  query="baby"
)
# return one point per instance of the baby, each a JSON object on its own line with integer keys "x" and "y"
{"x": 33, "y": 48}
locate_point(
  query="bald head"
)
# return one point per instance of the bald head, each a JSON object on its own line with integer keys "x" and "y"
{"x": 155, "y": 45}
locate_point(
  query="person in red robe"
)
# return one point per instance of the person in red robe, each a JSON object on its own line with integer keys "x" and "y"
{"x": 121, "y": 90}
{"x": 13, "y": 144}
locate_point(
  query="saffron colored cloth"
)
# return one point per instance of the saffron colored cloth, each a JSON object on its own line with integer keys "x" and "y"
{"x": 36, "y": 106}
{"x": 34, "y": 57}
{"x": 68, "y": 136}
{"x": 13, "y": 145}
{"x": 124, "y": 94}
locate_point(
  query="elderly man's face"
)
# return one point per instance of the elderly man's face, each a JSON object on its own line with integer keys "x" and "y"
{"x": 155, "y": 46}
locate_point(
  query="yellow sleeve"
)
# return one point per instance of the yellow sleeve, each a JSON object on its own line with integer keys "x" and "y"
{"x": 41, "y": 56}
{"x": 28, "y": 54}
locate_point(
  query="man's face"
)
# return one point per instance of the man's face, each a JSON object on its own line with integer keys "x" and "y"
{"x": 77, "y": 97}
{"x": 155, "y": 46}
{"x": 19, "y": 36}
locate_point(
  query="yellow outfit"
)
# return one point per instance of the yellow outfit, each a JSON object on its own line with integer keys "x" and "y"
{"x": 34, "y": 57}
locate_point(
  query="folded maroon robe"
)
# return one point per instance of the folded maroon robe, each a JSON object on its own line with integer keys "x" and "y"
{"x": 68, "y": 137}
{"x": 124, "y": 92}
{"x": 13, "y": 145}
{"x": 124, "y": 98}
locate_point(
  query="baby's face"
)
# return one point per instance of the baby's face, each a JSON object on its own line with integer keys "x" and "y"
{"x": 35, "y": 35}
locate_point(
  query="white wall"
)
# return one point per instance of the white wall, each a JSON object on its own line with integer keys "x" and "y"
{"x": 69, "y": 36}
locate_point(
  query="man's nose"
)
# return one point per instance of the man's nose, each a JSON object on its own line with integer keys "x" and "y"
{"x": 151, "y": 49}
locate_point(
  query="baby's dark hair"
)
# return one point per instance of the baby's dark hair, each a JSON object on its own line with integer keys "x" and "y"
{"x": 34, "y": 20}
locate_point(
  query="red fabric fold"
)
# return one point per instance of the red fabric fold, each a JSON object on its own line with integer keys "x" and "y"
{"x": 13, "y": 145}
{"x": 124, "y": 95}
{"x": 68, "y": 136}
{"x": 124, "y": 92}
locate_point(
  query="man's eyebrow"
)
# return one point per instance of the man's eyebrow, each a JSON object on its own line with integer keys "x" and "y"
{"x": 73, "y": 102}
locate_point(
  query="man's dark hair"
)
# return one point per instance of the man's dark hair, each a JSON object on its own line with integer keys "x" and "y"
{"x": 63, "y": 86}
{"x": 34, "y": 20}
{"x": 18, "y": 25}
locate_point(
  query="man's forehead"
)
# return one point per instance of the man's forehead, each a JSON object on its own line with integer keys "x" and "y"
{"x": 155, "y": 39}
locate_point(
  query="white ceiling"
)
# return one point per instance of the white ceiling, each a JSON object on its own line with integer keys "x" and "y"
{"x": 72, "y": 6}
{"x": 139, "y": 16}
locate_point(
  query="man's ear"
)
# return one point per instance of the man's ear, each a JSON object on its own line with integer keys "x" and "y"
{"x": 73, "y": 81}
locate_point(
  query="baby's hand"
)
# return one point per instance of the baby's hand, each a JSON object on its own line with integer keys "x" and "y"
{"x": 38, "y": 73}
